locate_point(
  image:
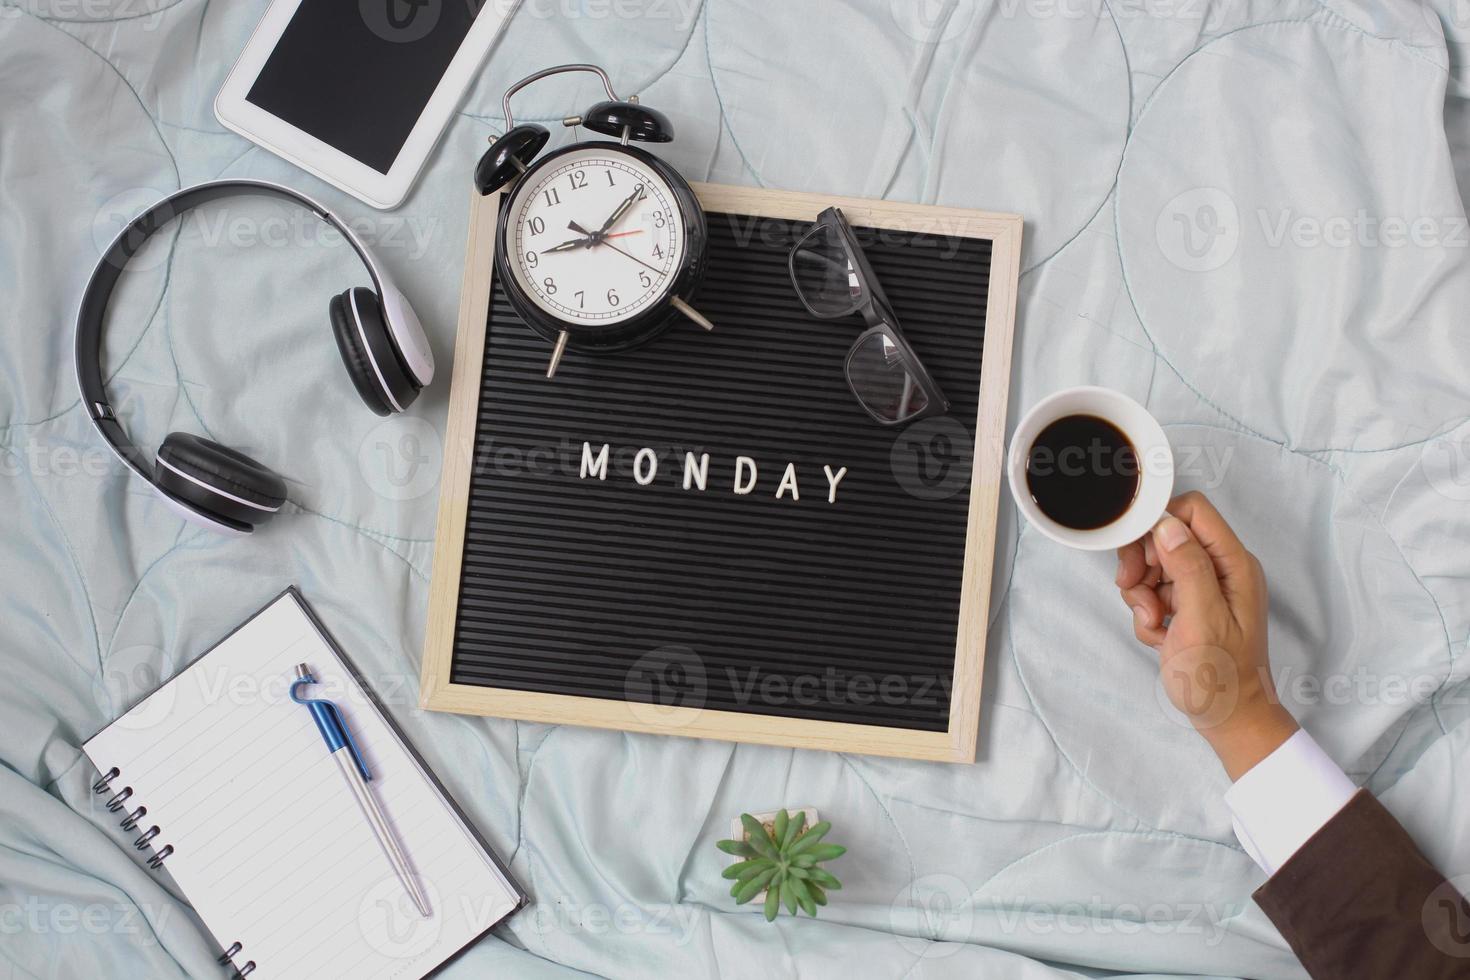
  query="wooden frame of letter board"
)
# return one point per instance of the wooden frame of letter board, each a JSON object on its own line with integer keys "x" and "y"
{"x": 957, "y": 744}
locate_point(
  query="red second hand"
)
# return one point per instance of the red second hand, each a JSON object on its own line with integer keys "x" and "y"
{"x": 624, "y": 234}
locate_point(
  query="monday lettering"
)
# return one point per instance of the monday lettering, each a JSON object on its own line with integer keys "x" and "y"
{"x": 694, "y": 474}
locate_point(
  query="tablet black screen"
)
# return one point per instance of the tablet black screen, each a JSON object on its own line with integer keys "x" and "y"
{"x": 356, "y": 74}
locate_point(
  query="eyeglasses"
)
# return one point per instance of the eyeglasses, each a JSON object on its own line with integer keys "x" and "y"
{"x": 833, "y": 279}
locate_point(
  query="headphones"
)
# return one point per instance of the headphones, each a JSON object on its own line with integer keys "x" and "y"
{"x": 380, "y": 337}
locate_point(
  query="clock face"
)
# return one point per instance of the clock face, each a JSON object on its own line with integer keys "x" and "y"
{"x": 596, "y": 236}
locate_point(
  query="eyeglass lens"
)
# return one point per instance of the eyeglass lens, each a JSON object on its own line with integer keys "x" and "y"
{"x": 878, "y": 372}
{"x": 823, "y": 274}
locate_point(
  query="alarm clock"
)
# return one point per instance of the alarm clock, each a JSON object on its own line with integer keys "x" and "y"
{"x": 600, "y": 245}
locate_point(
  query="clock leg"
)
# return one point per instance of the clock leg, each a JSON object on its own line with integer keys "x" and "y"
{"x": 556, "y": 353}
{"x": 691, "y": 313}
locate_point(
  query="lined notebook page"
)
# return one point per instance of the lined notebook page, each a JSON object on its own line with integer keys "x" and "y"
{"x": 270, "y": 846}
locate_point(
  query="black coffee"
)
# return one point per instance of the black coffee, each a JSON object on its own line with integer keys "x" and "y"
{"x": 1082, "y": 472}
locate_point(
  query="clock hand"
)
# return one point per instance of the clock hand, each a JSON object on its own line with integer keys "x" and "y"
{"x": 633, "y": 257}
{"x": 567, "y": 245}
{"x": 621, "y": 210}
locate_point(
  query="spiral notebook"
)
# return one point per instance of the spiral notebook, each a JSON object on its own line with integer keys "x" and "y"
{"x": 218, "y": 777}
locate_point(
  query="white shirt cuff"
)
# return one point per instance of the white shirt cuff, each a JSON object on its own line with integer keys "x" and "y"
{"x": 1286, "y": 798}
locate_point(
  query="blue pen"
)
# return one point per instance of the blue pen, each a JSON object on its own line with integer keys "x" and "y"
{"x": 354, "y": 769}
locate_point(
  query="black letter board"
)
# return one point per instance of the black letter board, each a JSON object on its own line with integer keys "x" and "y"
{"x": 828, "y": 586}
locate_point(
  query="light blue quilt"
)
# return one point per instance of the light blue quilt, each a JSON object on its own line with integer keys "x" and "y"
{"x": 1248, "y": 215}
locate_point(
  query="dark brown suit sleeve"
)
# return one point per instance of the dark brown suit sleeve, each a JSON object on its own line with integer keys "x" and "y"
{"x": 1359, "y": 900}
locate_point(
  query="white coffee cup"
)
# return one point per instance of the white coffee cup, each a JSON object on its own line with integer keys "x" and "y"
{"x": 1156, "y": 465}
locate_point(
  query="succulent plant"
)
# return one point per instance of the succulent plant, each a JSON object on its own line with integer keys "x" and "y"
{"x": 784, "y": 858}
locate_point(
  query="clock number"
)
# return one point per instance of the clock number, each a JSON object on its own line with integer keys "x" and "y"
{"x": 553, "y": 197}
{"x": 610, "y": 181}
{"x": 532, "y": 259}
{"x": 612, "y": 298}
{"x": 658, "y": 252}
{"x": 581, "y": 299}
{"x": 658, "y": 219}
{"x": 550, "y": 285}
{"x": 578, "y": 179}
{"x": 538, "y": 225}
{"x": 643, "y": 279}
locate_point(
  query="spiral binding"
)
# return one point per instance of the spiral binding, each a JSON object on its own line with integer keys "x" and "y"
{"x": 117, "y": 803}
{"x": 228, "y": 956}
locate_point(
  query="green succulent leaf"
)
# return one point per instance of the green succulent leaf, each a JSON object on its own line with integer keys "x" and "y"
{"x": 738, "y": 869}
{"x": 826, "y": 880}
{"x": 818, "y": 895}
{"x": 813, "y": 834}
{"x": 803, "y": 897}
{"x": 793, "y": 829}
{"x": 773, "y": 904}
{"x": 796, "y": 872}
{"x": 751, "y": 887}
{"x": 788, "y": 895}
{"x": 759, "y": 839}
{"x": 826, "y": 852}
{"x": 757, "y": 866}
{"x": 779, "y": 825}
{"x": 737, "y": 847}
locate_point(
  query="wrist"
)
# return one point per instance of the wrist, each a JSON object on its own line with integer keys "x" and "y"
{"x": 1253, "y": 731}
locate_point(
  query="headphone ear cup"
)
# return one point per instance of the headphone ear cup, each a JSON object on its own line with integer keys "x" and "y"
{"x": 372, "y": 359}
{"x": 217, "y": 482}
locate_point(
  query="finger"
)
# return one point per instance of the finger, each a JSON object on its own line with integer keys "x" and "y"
{"x": 1148, "y": 614}
{"x": 1232, "y": 561}
{"x": 1153, "y": 576}
{"x": 1131, "y": 566}
{"x": 1186, "y": 563}
{"x": 1148, "y": 550}
{"x": 1165, "y": 592}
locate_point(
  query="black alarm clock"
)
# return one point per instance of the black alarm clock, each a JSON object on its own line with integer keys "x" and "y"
{"x": 600, "y": 245}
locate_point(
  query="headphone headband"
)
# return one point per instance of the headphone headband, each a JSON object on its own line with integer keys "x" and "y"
{"x": 93, "y": 308}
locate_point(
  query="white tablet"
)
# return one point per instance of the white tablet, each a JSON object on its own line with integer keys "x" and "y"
{"x": 358, "y": 91}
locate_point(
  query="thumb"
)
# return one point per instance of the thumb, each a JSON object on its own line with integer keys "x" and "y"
{"x": 1187, "y": 564}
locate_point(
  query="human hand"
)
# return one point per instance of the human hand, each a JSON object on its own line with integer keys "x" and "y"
{"x": 1199, "y": 598}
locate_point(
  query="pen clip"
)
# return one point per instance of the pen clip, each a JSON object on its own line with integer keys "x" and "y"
{"x": 329, "y": 721}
